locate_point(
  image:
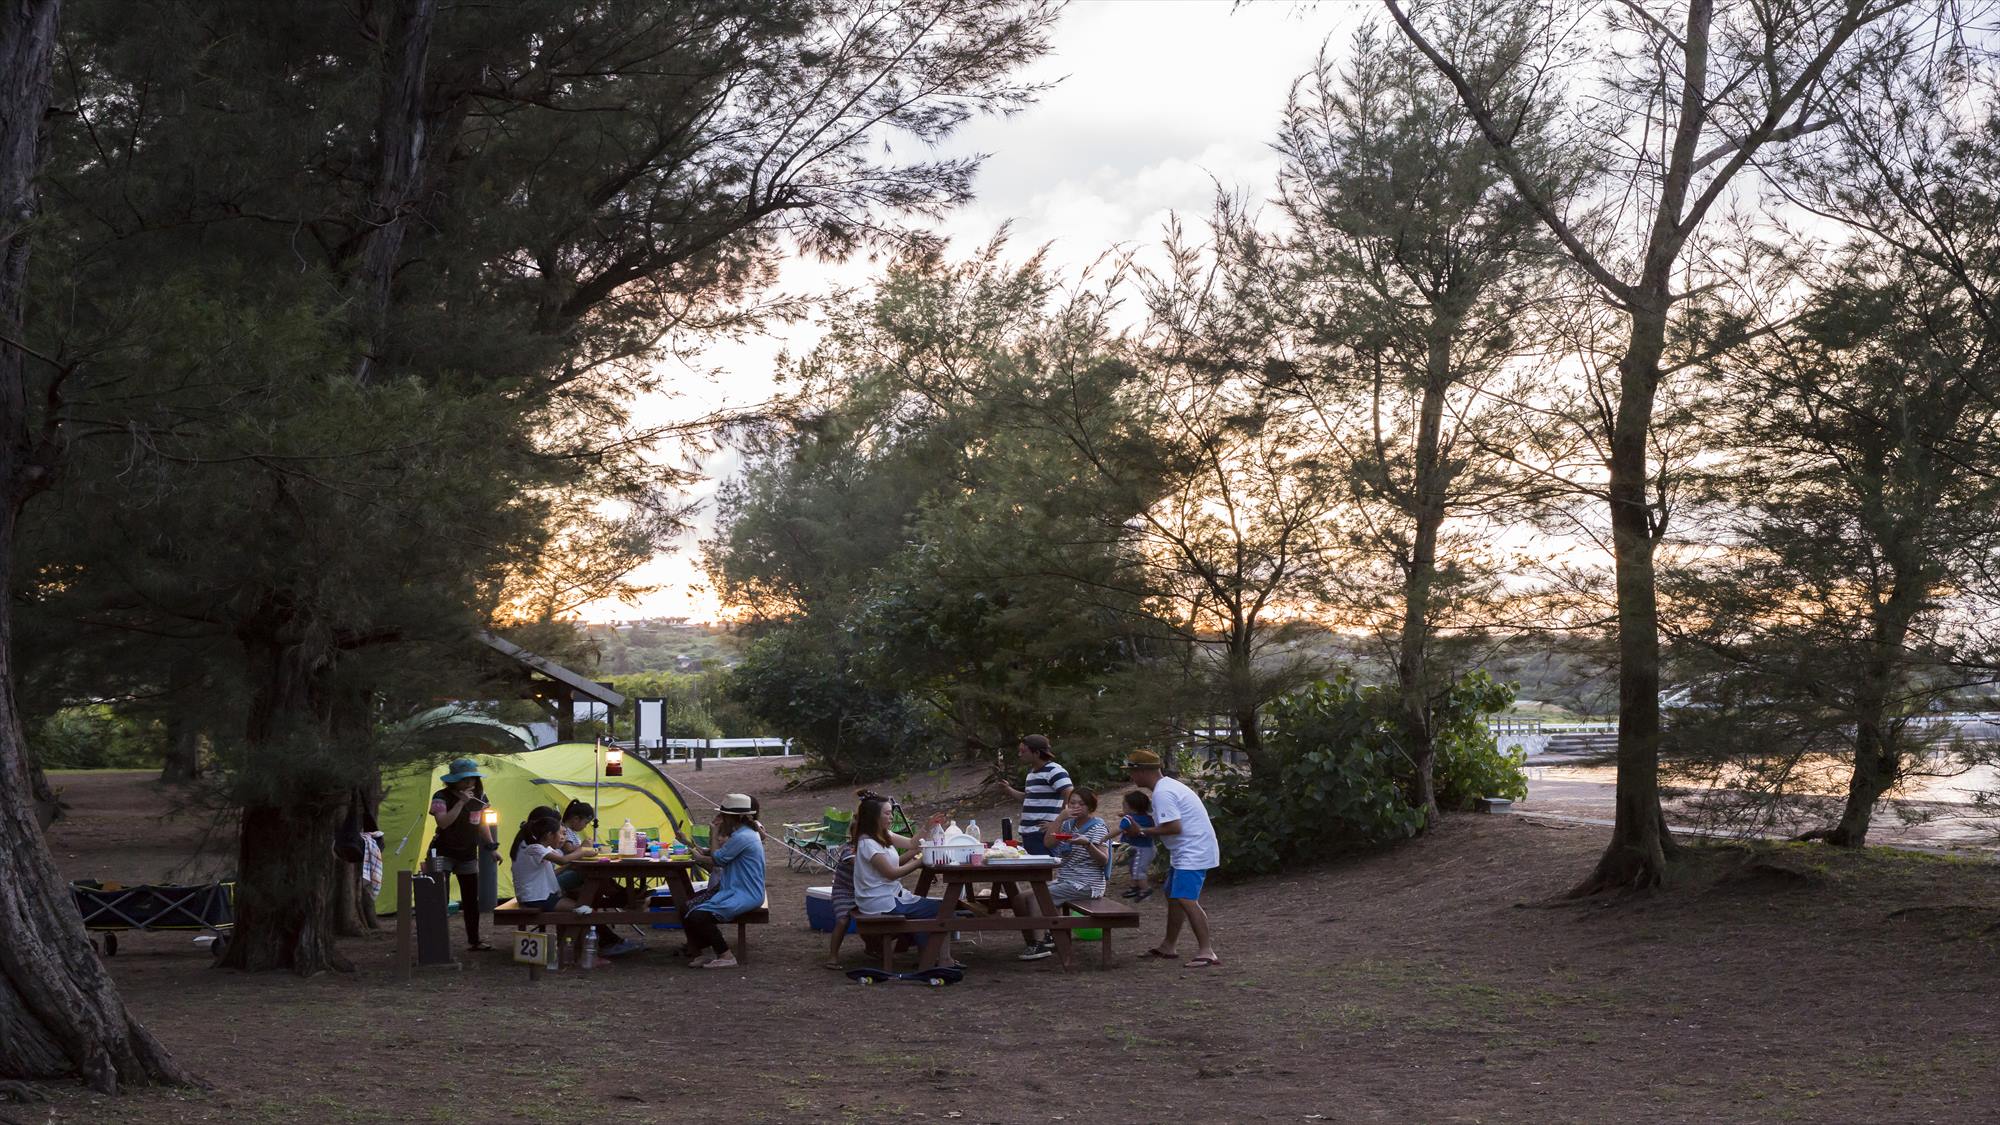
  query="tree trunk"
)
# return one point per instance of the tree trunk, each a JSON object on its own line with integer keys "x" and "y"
{"x": 60, "y": 1016}
{"x": 1427, "y": 510}
{"x": 1878, "y": 758}
{"x": 285, "y": 865}
{"x": 1249, "y": 723}
{"x": 285, "y": 862}
{"x": 1877, "y": 767}
{"x": 402, "y": 142}
{"x": 183, "y": 764}
{"x": 1637, "y": 854}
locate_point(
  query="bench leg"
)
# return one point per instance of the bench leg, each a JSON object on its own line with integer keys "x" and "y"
{"x": 742, "y": 944}
{"x": 1104, "y": 955}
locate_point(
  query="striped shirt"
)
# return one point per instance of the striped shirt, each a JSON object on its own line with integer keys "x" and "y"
{"x": 1042, "y": 796}
{"x": 1079, "y": 867}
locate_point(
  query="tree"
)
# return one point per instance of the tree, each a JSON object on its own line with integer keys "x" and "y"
{"x": 1234, "y": 497}
{"x": 1689, "y": 103}
{"x": 1412, "y": 276}
{"x": 1860, "y": 451}
{"x": 63, "y": 1016}
{"x": 358, "y": 378}
{"x": 1862, "y": 478}
{"x": 910, "y": 522}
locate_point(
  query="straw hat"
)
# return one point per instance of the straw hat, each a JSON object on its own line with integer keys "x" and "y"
{"x": 1142, "y": 760}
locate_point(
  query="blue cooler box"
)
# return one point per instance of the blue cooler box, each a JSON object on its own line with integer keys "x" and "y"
{"x": 819, "y": 910}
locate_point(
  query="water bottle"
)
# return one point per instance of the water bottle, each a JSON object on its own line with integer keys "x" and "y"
{"x": 951, "y": 830}
{"x": 628, "y": 838}
{"x": 972, "y": 829}
{"x": 589, "y": 949}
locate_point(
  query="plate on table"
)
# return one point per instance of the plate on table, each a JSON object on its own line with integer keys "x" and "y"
{"x": 1025, "y": 861}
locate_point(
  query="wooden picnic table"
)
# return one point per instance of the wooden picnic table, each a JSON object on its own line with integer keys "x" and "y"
{"x": 1021, "y": 889}
{"x": 603, "y": 875}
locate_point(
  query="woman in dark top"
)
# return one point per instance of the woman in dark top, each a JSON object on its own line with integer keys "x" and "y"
{"x": 460, "y": 835}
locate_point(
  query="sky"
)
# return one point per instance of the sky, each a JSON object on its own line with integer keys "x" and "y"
{"x": 1156, "y": 103}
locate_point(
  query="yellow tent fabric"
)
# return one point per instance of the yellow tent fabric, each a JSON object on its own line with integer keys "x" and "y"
{"x": 515, "y": 784}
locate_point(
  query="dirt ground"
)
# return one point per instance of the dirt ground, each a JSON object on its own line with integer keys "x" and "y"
{"x": 1428, "y": 983}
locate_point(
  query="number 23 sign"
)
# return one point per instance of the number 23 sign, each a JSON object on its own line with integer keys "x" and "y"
{"x": 531, "y": 947}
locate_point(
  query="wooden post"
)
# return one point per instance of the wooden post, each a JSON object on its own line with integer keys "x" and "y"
{"x": 405, "y": 925}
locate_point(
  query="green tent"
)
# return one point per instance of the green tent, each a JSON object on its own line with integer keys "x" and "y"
{"x": 516, "y": 783}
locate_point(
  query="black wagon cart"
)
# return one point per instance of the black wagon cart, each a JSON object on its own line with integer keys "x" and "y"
{"x": 111, "y": 909}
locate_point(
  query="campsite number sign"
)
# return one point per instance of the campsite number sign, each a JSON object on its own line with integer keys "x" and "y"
{"x": 531, "y": 946}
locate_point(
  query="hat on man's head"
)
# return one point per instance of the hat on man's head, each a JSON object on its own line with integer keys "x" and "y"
{"x": 462, "y": 768}
{"x": 1142, "y": 760}
{"x": 1039, "y": 743}
{"x": 738, "y": 804}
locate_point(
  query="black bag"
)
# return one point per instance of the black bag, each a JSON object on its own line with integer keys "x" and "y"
{"x": 347, "y": 837}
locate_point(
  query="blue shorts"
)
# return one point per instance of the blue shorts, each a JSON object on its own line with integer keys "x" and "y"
{"x": 1186, "y": 884}
{"x": 548, "y": 903}
{"x": 1032, "y": 839}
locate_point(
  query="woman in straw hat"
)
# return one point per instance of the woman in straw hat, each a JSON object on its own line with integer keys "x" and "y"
{"x": 738, "y": 865}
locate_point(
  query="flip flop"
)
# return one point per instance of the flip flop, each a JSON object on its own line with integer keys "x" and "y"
{"x": 481, "y": 947}
{"x": 1153, "y": 953}
{"x": 1204, "y": 962}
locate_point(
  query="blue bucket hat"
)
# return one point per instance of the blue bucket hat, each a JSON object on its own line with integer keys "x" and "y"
{"x": 462, "y": 768}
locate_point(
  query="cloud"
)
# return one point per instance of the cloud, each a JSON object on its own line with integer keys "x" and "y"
{"x": 1154, "y": 104}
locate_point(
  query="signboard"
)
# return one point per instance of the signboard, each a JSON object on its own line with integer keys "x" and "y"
{"x": 532, "y": 946}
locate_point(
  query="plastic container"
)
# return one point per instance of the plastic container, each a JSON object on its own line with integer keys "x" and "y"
{"x": 819, "y": 910}
{"x": 955, "y": 849}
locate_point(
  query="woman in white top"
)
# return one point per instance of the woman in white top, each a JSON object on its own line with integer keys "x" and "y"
{"x": 879, "y": 866}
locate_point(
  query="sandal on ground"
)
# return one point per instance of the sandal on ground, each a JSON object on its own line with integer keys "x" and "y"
{"x": 1160, "y": 954}
{"x": 1204, "y": 962}
{"x": 699, "y": 961}
{"x": 836, "y": 966}
{"x": 479, "y": 947}
{"x": 723, "y": 962}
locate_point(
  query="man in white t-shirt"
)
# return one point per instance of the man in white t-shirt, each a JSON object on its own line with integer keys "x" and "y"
{"x": 1180, "y": 821}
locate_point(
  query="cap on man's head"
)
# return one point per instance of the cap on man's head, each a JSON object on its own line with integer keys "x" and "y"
{"x": 1039, "y": 743}
{"x": 1142, "y": 760}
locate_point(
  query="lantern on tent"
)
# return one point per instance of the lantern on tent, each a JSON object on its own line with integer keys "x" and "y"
{"x": 491, "y": 816}
{"x": 614, "y": 762}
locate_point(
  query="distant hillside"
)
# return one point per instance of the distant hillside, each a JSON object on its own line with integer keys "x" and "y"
{"x": 662, "y": 645}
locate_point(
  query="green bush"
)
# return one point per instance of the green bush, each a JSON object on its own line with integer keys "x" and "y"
{"x": 1343, "y": 780}
{"x": 1469, "y": 764}
{"x": 848, "y": 730}
{"x": 96, "y": 737}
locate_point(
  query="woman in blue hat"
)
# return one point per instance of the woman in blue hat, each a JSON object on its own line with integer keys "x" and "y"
{"x": 460, "y": 835}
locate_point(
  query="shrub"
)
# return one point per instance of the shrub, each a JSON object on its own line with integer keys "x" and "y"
{"x": 1342, "y": 779}
{"x": 96, "y": 737}
{"x": 1469, "y": 764}
{"x": 848, "y": 731}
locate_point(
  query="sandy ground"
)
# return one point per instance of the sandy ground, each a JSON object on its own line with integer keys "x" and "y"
{"x": 1431, "y": 982}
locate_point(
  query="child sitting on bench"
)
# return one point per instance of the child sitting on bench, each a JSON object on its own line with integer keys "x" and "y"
{"x": 536, "y": 856}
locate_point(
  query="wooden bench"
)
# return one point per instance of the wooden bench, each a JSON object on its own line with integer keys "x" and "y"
{"x": 1096, "y": 914}
{"x": 570, "y": 926}
{"x": 1101, "y": 914}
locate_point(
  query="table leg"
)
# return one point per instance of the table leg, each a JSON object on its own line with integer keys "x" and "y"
{"x": 1047, "y": 903}
{"x": 933, "y": 951}
{"x": 1018, "y": 903}
{"x": 923, "y": 882}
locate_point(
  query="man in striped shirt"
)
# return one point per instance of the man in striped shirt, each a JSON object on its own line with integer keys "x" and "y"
{"x": 1044, "y": 795}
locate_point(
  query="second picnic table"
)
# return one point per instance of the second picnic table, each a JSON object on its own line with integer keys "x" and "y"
{"x": 1020, "y": 887}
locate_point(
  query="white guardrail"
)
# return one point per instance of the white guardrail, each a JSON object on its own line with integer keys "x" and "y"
{"x": 685, "y": 749}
